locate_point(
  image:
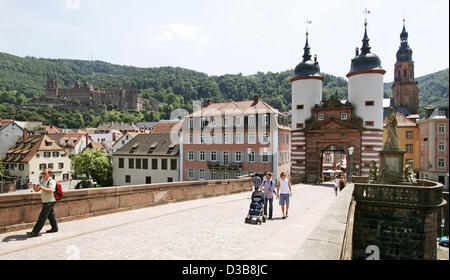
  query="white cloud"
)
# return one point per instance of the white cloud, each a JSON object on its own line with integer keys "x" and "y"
{"x": 192, "y": 33}
{"x": 72, "y": 4}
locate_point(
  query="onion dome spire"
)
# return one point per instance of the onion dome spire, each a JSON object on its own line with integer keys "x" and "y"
{"x": 365, "y": 60}
{"x": 404, "y": 54}
{"x": 307, "y": 67}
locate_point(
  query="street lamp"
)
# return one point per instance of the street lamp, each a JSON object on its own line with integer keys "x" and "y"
{"x": 249, "y": 151}
{"x": 350, "y": 164}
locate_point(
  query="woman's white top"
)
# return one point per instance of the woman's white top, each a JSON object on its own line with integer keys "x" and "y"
{"x": 284, "y": 186}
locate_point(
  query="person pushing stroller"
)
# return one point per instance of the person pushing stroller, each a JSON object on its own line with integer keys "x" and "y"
{"x": 268, "y": 187}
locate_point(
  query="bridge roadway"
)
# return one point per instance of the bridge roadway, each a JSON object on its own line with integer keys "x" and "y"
{"x": 211, "y": 228}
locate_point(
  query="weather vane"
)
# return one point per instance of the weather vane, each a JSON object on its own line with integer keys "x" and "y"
{"x": 366, "y": 12}
{"x": 307, "y": 22}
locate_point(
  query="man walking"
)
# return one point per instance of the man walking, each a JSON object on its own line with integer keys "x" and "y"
{"x": 256, "y": 182}
{"x": 268, "y": 187}
{"x": 48, "y": 203}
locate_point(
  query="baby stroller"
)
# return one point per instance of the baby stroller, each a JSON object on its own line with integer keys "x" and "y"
{"x": 256, "y": 211}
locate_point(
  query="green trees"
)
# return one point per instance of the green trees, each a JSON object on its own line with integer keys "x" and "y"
{"x": 95, "y": 164}
{"x": 162, "y": 89}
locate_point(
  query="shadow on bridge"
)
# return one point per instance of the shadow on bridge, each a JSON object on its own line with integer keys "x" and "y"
{"x": 17, "y": 237}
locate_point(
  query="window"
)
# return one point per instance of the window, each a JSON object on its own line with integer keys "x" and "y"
{"x": 144, "y": 163}
{"x": 55, "y": 154}
{"x": 227, "y": 138}
{"x": 441, "y": 146}
{"x": 213, "y": 175}
{"x": 127, "y": 179}
{"x": 238, "y": 121}
{"x": 343, "y": 116}
{"x": 21, "y": 167}
{"x": 320, "y": 117}
{"x": 225, "y": 122}
{"x": 190, "y": 139}
{"x": 213, "y": 122}
{"x": 409, "y": 135}
{"x": 138, "y": 163}
{"x": 60, "y": 165}
{"x": 213, "y": 156}
{"x": 202, "y": 138}
{"x": 265, "y": 138}
{"x": 225, "y": 175}
{"x": 369, "y": 123}
{"x": 265, "y": 156}
{"x": 441, "y": 128}
{"x": 164, "y": 164}
{"x": 131, "y": 163}
{"x": 202, "y": 174}
{"x": 213, "y": 139}
{"x": 251, "y": 138}
{"x": 265, "y": 119}
{"x": 169, "y": 179}
{"x": 173, "y": 164}
{"x": 238, "y": 156}
{"x": 148, "y": 179}
{"x": 154, "y": 163}
{"x": 190, "y": 155}
{"x": 202, "y": 155}
{"x": 191, "y": 123}
{"x": 239, "y": 138}
{"x": 300, "y": 125}
{"x": 441, "y": 163}
{"x": 409, "y": 148}
{"x": 190, "y": 173}
{"x": 251, "y": 157}
{"x": 47, "y": 154}
{"x": 370, "y": 103}
{"x": 121, "y": 163}
{"x": 204, "y": 122}
{"x": 251, "y": 120}
{"x": 300, "y": 107}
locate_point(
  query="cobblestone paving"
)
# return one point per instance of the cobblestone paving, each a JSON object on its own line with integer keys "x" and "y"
{"x": 210, "y": 228}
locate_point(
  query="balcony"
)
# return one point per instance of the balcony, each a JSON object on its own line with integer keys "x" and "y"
{"x": 222, "y": 165}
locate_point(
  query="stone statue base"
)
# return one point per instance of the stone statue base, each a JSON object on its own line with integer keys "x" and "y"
{"x": 391, "y": 166}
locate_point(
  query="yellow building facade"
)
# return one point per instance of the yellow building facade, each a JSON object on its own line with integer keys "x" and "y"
{"x": 408, "y": 137}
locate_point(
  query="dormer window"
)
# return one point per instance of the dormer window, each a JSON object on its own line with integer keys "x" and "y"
{"x": 152, "y": 148}
{"x": 171, "y": 147}
{"x": 133, "y": 149}
{"x": 320, "y": 117}
{"x": 344, "y": 116}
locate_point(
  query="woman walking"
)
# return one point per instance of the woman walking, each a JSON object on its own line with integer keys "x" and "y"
{"x": 284, "y": 193}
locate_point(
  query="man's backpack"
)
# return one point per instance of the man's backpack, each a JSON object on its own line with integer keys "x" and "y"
{"x": 58, "y": 193}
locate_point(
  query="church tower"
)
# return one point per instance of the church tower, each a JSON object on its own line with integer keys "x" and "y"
{"x": 306, "y": 93}
{"x": 404, "y": 89}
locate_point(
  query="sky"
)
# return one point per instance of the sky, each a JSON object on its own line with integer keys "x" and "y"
{"x": 226, "y": 37}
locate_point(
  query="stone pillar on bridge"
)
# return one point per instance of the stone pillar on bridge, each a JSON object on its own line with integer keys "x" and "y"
{"x": 396, "y": 222}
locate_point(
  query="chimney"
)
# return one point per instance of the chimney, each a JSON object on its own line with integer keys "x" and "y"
{"x": 208, "y": 102}
{"x": 25, "y": 134}
{"x": 87, "y": 139}
{"x": 255, "y": 99}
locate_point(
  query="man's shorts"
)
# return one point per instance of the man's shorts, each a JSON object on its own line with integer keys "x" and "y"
{"x": 284, "y": 199}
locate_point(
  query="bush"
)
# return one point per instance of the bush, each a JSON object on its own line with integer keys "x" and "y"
{"x": 84, "y": 185}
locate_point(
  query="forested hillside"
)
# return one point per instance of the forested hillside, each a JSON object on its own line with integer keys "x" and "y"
{"x": 22, "y": 78}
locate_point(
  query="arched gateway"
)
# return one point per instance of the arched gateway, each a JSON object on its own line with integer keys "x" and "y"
{"x": 356, "y": 122}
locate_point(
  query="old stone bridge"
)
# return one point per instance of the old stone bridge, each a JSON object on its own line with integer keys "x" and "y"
{"x": 205, "y": 220}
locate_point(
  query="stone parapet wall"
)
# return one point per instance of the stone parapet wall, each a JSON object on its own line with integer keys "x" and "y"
{"x": 20, "y": 211}
{"x": 396, "y": 222}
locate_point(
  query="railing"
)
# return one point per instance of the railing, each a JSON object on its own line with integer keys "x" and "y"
{"x": 216, "y": 164}
{"x": 424, "y": 193}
